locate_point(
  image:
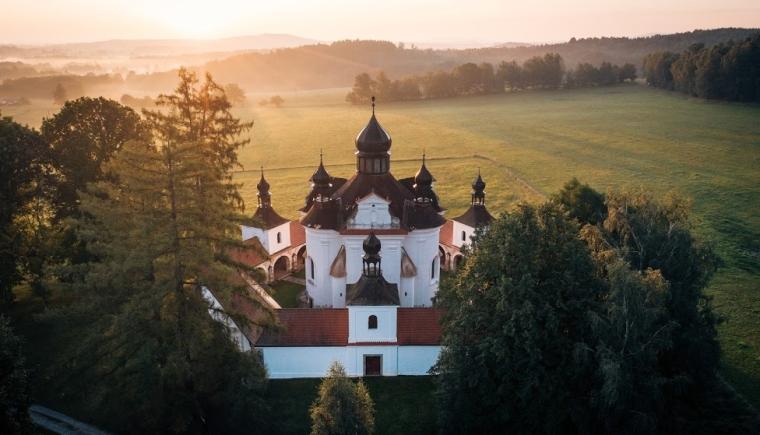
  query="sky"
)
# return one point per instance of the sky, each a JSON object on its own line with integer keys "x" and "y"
{"x": 456, "y": 21}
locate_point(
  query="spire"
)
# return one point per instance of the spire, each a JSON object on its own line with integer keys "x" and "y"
{"x": 478, "y": 190}
{"x": 423, "y": 182}
{"x": 265, "y": 198}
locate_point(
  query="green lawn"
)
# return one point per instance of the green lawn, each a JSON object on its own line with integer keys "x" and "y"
{"x": 286, "y": 293}
{"x": 403, "y": 404}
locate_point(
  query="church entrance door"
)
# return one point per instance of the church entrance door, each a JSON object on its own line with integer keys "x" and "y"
{"x": 373, "y": 365}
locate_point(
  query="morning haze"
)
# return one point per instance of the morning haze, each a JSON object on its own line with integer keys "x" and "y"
{"x": 388, "y": 217}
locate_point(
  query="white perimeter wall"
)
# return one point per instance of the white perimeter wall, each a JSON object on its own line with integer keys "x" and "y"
{"x": 313, "y": 362}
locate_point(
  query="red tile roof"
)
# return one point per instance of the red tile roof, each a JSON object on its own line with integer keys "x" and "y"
{"x": 308, "y": 327}
{"x": 253, "y": 256}
{"x": 297, "y": 234}
{"x": 447, "y": 233}
{"x": 419, "y": 326}
{"x": 329, "y": 327}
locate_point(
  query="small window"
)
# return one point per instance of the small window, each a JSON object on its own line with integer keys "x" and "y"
{"x": 279, "y": 237}
{"x": 311, "y": 267}
{"x": 372, "y": 322}
{"x": 464, "y": 236}
{"x": 432, "y": 269}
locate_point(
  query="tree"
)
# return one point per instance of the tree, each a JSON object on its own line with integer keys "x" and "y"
{"x": 362, "y": 90}
{"x": 649, "y": 233}
{"x": 159, "y": 231}
{"x": 276, "y": 101}
{"x": 14, "y": 383}
{"x": 657, "y": 69}
{"x": 517, "y": 344}
{"x": 24, "y": 157}
{"x": 582, "y": 202}
{"x": 627, "y": 72}
{"x": 235, "y": 94}
{"x": 512, "y": 75}
{"x": 342, "y": 407}
{"x": 83, "y": 136}
{"x": 59, "y": 94}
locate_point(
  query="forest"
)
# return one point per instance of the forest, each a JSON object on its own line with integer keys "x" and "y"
{"x": 540, "y": 72}
{"x": 725, "y": 71}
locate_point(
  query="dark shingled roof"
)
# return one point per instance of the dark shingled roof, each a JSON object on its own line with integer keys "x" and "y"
{"x": 335, "y": 184}
{"x": 383, "y": 185}
{"x": 421, "y": 215}
{"x": 308, "y": 327}
{"x": 475, "y": 216}
{"x": 267, "y": 218}
{"x": 323, "y": 215}
{"x": 372, "y": 290}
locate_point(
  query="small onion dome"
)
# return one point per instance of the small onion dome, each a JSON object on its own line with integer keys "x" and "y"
{"x": 371, "y": 246}
{"x": 423, "y": 175}
{"x": 321, "y": 177}
{"x": 478, "y": 185}
{"x": 373, "y": 138}
{"x": 263, "y": 185}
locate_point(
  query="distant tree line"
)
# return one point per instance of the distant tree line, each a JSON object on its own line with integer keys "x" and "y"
{"x": 539, "y": 72}
{"x": 725, "y": 71}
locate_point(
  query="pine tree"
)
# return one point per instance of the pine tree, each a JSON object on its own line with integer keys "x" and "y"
{"x": 160, "y": 231}
{"x": 342, "y": 407}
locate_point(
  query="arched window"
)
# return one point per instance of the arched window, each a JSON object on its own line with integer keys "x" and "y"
{"x": 372, "y": 322}
{"x": 279, "y": 237}
{"x": 464, "y": 236}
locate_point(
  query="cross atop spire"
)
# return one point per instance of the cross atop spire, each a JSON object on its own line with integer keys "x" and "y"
{"x": 373, "y": 105}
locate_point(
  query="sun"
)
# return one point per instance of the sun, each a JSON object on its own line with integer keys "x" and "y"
{"x": 193, "y": 18}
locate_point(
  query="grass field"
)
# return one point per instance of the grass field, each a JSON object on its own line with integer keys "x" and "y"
{"x": 528, "y": 145}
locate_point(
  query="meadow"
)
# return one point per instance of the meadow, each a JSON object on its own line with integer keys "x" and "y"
{"x": 527, "y": 145}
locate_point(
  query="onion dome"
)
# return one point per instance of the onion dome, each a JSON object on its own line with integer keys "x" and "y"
{"x": 321, "y": 177}
{"x": 263, "y": 185}
{"x": 478, "y": 188}
{"x": 423, "y": 175}
{"x": 373, "y": 138}
{"x": 478, "y": 185}
{"x": 263, "y": 188}
{"x": 371, "y": 246}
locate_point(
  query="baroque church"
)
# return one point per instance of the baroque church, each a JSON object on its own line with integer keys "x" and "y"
{"x": 373, "y": 247}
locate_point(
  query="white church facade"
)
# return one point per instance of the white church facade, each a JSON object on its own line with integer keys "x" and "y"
{"x": 373, "y": 248}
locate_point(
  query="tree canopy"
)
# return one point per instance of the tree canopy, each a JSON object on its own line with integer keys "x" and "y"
{"x": 554, "y": 327}
{"x": 159, "y": 230}
{"x": 342, "y": 406}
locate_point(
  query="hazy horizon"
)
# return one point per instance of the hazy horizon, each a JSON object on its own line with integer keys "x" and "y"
{"x": 479, "y": 22}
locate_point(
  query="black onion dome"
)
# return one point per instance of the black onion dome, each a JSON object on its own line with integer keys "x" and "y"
{"x": 373, "y": 138}
{"x": 423, "y": 175}
{"x": 478, "y": 185}
{"x": 371, "y": 245}
{"x": 321, "y": 177}
{"x": 263, "y": 185}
